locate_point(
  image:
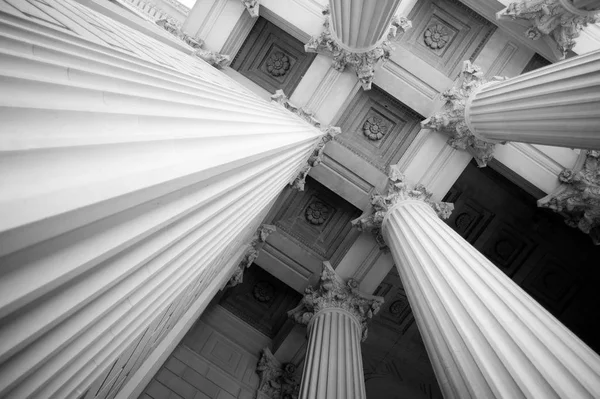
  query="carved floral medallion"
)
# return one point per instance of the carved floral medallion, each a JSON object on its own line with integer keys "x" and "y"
{"x": 397, "y": 307}
{"x": 374, "y": 128}
{"x": 436, "y": 37}
{"x": 278, "y": 64}
{"x": 263, "y": 291}
{"x": 317, "y": 213}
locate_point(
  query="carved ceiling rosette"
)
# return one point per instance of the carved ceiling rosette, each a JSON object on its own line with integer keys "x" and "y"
{"x": 278, "y": 64}
{"x": 317, "y": 155}
{"x": 397, "y": 191}
{"x": 362, "y": 61}
{"x": 277, "y": 380}
{"x": 561, "y": 20}
{"x": 259, "y": 238}
{"x": 578, "y": 196}
{"x": 332, "y": 292}
{"x": 436, "y": 36}
{"x": 451, "y": 119}
{"x": 374, "y": 128}
{"x": 317, "y": 213}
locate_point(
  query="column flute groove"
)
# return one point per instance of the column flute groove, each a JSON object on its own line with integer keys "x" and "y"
{"x": 556, "y": 105}
{"x": 336, "y": 315}
{"x": 485, "y": 336}
{"x": 127, "y": 183}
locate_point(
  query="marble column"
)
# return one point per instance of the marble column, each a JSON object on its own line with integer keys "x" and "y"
{"x": 556, "y": 105}
{"x": 125, "y": 182}
{"x": 485, "y": 336}
{"x": 336, "y": 314}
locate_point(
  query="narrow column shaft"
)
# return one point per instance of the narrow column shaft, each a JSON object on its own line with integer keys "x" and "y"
{"x": 557, "y": 105}
{"x": 333, "y": 366}
{"x": 485, "y": 336}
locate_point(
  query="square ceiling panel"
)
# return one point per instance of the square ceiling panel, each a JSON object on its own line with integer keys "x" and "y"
{"x": 272, "y": 58}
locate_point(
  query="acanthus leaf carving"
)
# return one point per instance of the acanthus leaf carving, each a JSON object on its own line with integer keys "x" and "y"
{"x": 397, "y": 191}
{"x": 259, "y": 237}
{"x": 559, "y": 19}
{"x": 277, "y": 380}
{"x": 252, "y": 6}
{"x": 215, "y": 59}
{"x": 317, "y": 155}
{"x": 332, "y": 292}
{"x": 578, "y": 197}
{"x": 451, "y": 119}
{"x": 363, "y": 63}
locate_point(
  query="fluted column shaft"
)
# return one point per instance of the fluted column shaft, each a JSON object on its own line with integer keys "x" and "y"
{"x": 336, "y": 314}
{"x": 557, "y": 105}
{"x": 485, "y": 336}
{"x": 126, "y": 181}
{"x": 333, "y": 366}
{"x": 361, "y": 25}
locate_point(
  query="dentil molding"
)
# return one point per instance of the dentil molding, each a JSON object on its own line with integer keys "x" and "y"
{"x": 452, "y": 118}
{"x": 259, "y": 237}
{"x": 397, "y": 191}
{"x": 578, "y": 197}
{"x": 333, "y": 292}
{"x": 317, "y": 155}
{"x": 363, "y": 62}
{"x": 560, "y": 20}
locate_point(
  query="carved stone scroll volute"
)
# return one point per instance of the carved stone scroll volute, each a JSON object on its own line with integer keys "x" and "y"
{"x": 332, "y": 292}
{"x": 560, "y": 20}
{"x": 363, "y": 63}
{"x": 277, "y": 380}
{"x": 578, "y": 197}
{"x": 452, "y": 119}
{"x": 317, "y": 155}
{"x": 397, "y": 190}
{"x": 259, "y": 238}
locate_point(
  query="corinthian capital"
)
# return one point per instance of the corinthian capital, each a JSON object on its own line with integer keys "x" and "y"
{"x": 363, "y": 62}
{"x": 332, "y": 292}
{"x": 277, "y": 380}
{"x": 397, "y": 191}
{"x": 317, "y": 155}
{"x": 562, "y": 20}
{"x": 452, "y": 118}
{"x": 578, "y": 197}
{"x": 259, "y": 237}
